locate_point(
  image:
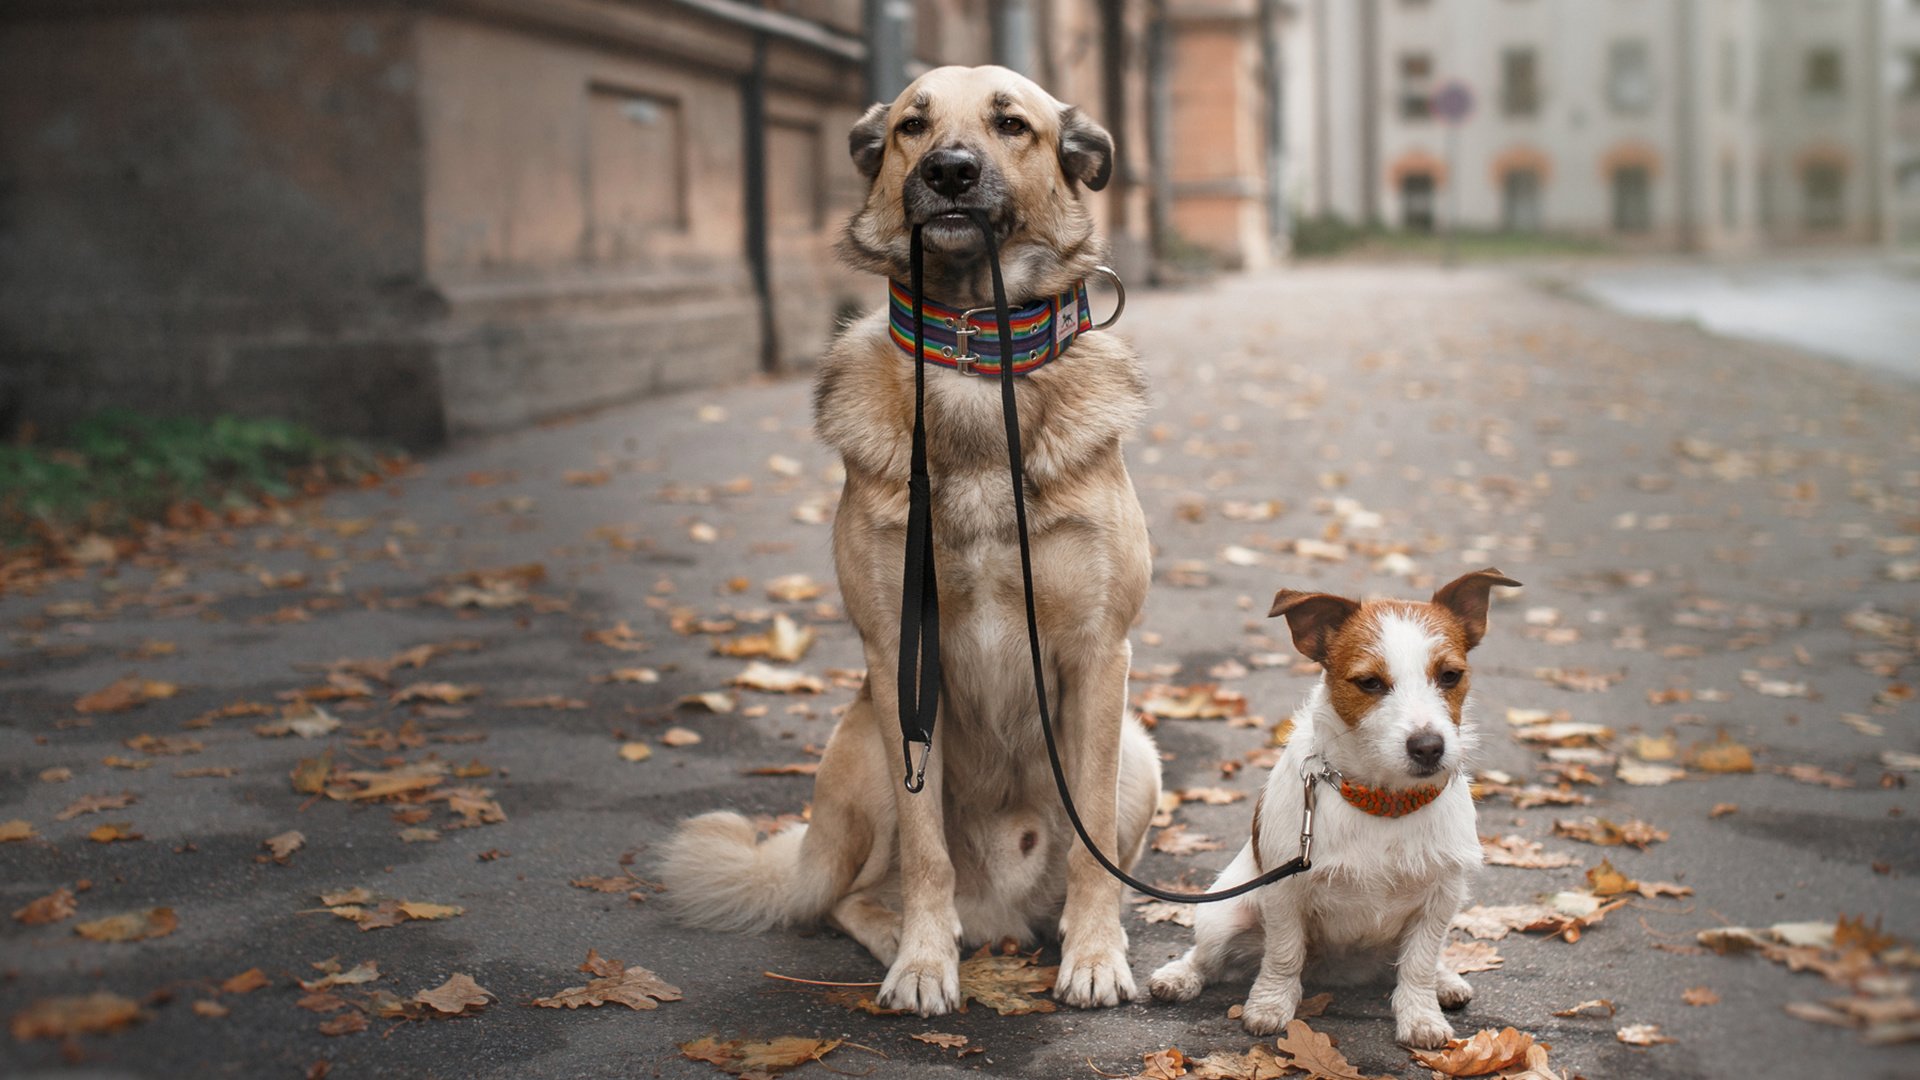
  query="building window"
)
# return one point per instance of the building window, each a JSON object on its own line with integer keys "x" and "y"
{"x": 1825, "y": 200}
{"x": 1632, "y": 199}
{"x": 1520, "y": 200}
{"x": 1630, "y": 76}
{"x": 1417, "y": 202}
{"x": 636, "y": 171}
{"x": 1824, "y": 73}
{"x": 1416, "y": 86}
{"x": 1519, "y": 82}
{"x": 1910, "y": 75}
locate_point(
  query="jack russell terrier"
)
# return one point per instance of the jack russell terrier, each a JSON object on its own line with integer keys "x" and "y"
{"x": 1388, "y": 728}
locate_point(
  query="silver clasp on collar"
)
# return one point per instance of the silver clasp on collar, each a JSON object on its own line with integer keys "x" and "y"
{"x": 1119, "y": 297}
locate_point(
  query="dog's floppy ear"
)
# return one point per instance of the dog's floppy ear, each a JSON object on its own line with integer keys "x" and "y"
{"x": 1466, "y": 597}
{"x": 1313, "y": 618}
{"x": 867, "y": 142}
{"x": 1086, "y": 150}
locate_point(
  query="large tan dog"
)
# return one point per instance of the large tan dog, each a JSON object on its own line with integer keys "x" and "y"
{"x": 985, "y": 851}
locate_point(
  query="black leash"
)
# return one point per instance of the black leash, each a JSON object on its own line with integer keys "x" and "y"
{"x": 920, "y": 607}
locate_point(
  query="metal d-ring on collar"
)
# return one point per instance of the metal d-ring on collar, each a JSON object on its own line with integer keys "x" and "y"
{"x": 964, "y": 356}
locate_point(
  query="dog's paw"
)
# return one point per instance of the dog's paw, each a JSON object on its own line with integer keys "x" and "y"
{"x": 927, "y": 985}
{"x": 1176, "y": 982}
{"x": 1092, "y": 978}
{"x": 1454, "y": 992}
{"x": 1423, "y": 1030}
{"x": 1266, "y": 1017}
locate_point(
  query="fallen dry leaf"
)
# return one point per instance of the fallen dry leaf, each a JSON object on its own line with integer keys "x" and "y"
{"x": 455, "y": 996}
{"x": 17, "y": 829}
{"x": 1722, "y": 756}
{"x": 98, "y": 1013}
{"x": 785, "y": 641}
{"x": 112, "y": 832}
{"x": 1258, "y": 1063}
{"x": 51, "y": 908}
{"x": 331, "y": 975}
{"x": 940, "y": 1039}
{"x": 1313, "y": 1053}
{"x": 1204, "y": 701}
{"x": 131, "y": 926}
{"x": 1598, "y": 1007}
{"x": 714, "y": 701}
{"x": 1466, "y": 957}
{"x": 794, "y": 588}
{"x": 1521, "y": 852}
{"x": 282, "y": 846}
{"x": 773, "y": 680}
{"x": 755, "y": 1060}
{"x": 349, "y": 1023}
{"x": 245, "y": 983}
{"x": 635, "y": 987}
{"x": 679, "y": 736}
{"x": 635, "y": 751}
{"x": 93, "y": 804}
{"x": 1600, "y": 831}
{"x": 1176, "y": 840}
{"x": 1487, "y": 1051}
{"x": 1700, "y": 995}
{"x": 210, "y": 1009}
{"x": 1642, "y": 1035}
{"x": 1643, "y": 774}
{"x": 124, "y": 694}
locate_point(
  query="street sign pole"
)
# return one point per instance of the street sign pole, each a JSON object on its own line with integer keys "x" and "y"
{"x": 1452, "y": 104}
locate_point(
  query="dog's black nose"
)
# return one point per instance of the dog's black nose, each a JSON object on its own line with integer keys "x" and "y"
{"x": 1425, "y": 749}
{"x": 950, "y": 172}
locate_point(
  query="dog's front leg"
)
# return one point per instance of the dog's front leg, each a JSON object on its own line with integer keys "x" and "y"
{"x": 1416, "y": 1002}
{"x": 925, "y": 976}
{"x": 1093, "y": 960}
{"x": 1276, "y": 992}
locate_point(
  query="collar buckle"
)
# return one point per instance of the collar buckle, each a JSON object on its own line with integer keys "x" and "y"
{"x": 965, "y": 358}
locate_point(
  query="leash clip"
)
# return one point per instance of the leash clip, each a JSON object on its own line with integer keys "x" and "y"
{"x": 917, "y": 775}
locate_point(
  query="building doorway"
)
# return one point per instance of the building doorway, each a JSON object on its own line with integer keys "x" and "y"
{"x": 1520, "y": 201}
{"x": 1417, "y": 202}
{"x": 1632, "y": 199}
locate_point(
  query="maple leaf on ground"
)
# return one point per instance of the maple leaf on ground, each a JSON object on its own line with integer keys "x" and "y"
{"x": 635, "y": 987}
{"x": 758, "y": 1060}
{"x": 1642, "y": 1035}
{"x": 93, "y": 804}
{"x": 1313, "y": 1053}
{"x": 99, "y": 1013}
{"x": 131, "y": 926}
{"x": 1487, "y": 1051}
{"x": 455, "y": 996}
{"x": 1176, "y": 840}
{"x": 51, "y": 908}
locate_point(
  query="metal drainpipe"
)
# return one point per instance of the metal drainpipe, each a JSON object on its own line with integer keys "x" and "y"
{"x": 1159, "y": 129}
{"x": 1013, "y": 35}
{"x": 753, "y": 115}
{"x": 1686, "y": 155}
{"x": 1273, "y": 65}
{"x": 889, "y": 47}
{"x": 1370, "y": 112}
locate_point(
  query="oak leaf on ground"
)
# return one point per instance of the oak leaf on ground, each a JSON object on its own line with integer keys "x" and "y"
{"x": 1486, "y": 1051}
{"x": 758, "y": 1060}
{"x": 1314, "y": 1054}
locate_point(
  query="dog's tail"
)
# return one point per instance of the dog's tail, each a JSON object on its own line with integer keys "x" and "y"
{"x": 719, "y": 876}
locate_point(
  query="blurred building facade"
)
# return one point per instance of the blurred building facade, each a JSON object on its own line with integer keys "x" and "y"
{"x": 418, "y": 219}
{"x": 1701, "y": 125}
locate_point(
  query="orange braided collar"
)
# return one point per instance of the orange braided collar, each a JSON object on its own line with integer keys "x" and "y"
{"x": 1381, "y": 802}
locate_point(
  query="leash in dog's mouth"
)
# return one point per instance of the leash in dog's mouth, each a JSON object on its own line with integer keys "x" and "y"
{"x": 919, "y": 684}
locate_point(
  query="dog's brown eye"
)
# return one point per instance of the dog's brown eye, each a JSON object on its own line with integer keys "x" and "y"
{"x": 1372, "y": 684}
{"x": 1012, "y": 125}
{"x": 1449, "y": 679}
{"x": 912, "y": 125}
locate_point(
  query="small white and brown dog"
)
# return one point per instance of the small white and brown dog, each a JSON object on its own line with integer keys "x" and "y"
{"x": 1389, "y": 729}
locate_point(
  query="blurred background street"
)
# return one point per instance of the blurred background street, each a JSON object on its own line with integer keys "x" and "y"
{"x": 409, "y": 509}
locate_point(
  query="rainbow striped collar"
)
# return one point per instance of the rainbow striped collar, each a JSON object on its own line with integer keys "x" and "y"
{"x": 968, "y": 340}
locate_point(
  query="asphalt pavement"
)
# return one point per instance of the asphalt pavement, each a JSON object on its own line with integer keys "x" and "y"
{"x": 1720, "y": 542}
